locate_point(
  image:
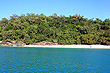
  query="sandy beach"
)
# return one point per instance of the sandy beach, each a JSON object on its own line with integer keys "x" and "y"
{"x": 72, "y": 46}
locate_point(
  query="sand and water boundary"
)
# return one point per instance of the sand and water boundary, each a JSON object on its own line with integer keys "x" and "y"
{"x": 71, "y": 46}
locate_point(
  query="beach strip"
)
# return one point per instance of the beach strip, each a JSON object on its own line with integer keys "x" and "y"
{"x": 71, "y": 46}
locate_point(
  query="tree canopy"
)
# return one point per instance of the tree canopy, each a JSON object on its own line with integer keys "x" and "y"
{"x": 76, "y": 29}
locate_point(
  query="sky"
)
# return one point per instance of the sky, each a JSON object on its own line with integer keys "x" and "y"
{"x": 87, "y": 8}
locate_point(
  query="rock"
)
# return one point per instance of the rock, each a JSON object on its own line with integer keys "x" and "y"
{"x": 4, "y": 44}
{"x": 13, "y": 41}
{"x": 17, "y": 44}
{"x": 33, "y": 44}
{"x": 46, "y": 43}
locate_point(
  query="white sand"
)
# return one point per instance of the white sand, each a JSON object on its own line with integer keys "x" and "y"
{"x": 72, "y": 46}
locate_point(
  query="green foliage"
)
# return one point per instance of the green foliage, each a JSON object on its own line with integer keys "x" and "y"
{"x": 78, "y": 41}
{"x": 55, "y": 40}
{"x": 19, "y": 41}
{"x": 74, "y": 29}
{"x": 88, "y": 39}
{"x": 8, "y": 40}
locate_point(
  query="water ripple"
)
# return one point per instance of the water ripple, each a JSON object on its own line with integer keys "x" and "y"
{"x": 54, "y": 60}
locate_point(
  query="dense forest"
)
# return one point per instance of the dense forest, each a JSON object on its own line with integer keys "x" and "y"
{"x": 33, "y": 28}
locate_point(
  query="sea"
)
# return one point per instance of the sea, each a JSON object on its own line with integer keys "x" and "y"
{"x": 54, "y": 60}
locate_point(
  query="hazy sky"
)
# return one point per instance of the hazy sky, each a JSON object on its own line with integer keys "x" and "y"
{"x": 87, "y": 8}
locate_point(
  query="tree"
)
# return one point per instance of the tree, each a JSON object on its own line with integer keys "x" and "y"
{"x": 74, "y": 29}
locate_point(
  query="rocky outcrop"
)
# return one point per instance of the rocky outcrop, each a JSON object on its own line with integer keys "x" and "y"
{"x": 33, "y": 44}
{"x": 12, "y": 43}
{"x": 5, "y": 44}
{"x": 46, "y": 43}
{"x": 17, "y": 44}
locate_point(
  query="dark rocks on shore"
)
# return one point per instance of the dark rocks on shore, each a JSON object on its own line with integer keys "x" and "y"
{"x": 33, "y": 44}
{"x": 17, "y": 44}
{"x": 5, "y": 44}
{"x": 12, "y": 43}
{"x": 46, "y": 43}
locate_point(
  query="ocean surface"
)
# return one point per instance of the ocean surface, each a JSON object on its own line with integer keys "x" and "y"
{"x": 54, "y": 60}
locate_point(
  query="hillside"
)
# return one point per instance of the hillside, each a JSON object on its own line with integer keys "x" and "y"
{"x": 76, "y": 29}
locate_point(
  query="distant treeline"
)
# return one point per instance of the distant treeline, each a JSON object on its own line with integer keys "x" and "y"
{"x": 76, "y": 29}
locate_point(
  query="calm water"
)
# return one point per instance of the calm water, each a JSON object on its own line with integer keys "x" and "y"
{"x": 54, "y": 60}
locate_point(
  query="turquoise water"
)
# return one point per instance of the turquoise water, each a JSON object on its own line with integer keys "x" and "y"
{"x": 45, "y": 60}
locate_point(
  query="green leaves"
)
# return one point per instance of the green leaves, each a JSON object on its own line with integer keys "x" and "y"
{"x": 74, "y": 29}
{"x": 88, "y": 39}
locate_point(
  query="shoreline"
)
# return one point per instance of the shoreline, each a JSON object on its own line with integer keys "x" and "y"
{"x": 71, "y": 46}
{"x": 45, "y": 44}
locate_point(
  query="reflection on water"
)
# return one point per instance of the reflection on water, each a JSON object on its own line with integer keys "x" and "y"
{"x": 54, "y": 60}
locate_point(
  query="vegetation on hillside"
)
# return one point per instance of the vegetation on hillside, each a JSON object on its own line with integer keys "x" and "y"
{"x": 76, "y": 29}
